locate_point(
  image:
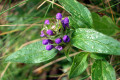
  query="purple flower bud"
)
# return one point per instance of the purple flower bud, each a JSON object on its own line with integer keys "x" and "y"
{"x": 58, "y": 41}
{"x": 49, "y": 32}
{"x": 59, "y": 48}
{"x": 49, "y": 47}
{"x": 42, "y": 34}
{"x": 63, "y": 24}
{"x": 66, "y": 38}
{"x": 45, "y": 41}
{"x": 50, "y": 41}
{"x": 59, "y": 16}
{"x": 66, "y": 21}
{"x": 47, "y": 22}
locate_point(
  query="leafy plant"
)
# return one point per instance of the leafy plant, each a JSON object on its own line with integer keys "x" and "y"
{"x": 30, "y": 54}
{"x": 89, "y": 33}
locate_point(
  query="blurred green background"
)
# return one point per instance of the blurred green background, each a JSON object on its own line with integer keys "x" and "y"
{"x": 20, "y": 24}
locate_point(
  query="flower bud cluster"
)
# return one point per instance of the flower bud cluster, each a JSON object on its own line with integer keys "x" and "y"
{"x": 56, "y": 33}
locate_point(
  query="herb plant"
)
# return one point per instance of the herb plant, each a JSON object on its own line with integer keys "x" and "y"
{"x": 83, "y": 31}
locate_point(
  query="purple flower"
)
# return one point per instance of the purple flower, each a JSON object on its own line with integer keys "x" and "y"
{"x": 66, "y": 38}
{"x": 59, "y": 48}
{"x": 59, "y": 16}
{"x": 49, "y": 47}
{"x": 42, "y": 34}
{"x": 63, "y": 24}
{"x": 58, "y": 41}
{"x": 50, "y": 41}
{"x": 66, "y": 21}
{"x": 45, "y": 41}
{"x": 47, "y": 22}
{"x": 49, "y": 32}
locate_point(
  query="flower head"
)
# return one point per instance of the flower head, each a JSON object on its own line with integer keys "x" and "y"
{"x": 49, "y": 32}
{"x": 49, "y": 47}
{"x": 59, "y": 48}
{"x": 58, "y": 41}
{"x": 59, "y": 16}
{"x": 47, "y": 22}
{"x": 56, "y": 38}
{"x": 66, "y": 38}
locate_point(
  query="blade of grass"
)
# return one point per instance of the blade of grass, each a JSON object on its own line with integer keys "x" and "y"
{"x": 4, "y": 5}
{"x": 41, "y": 4}
{"x": 2, "y": 74}
{"x": 109, "y": 7}
{"x": 111, "y": 10}
{"x": 13, "y": 7}
{"x": 103, "y": 5}
{"x": 47, "y": 10}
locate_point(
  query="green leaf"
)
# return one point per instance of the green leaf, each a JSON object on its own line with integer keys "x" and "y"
{"x": 72, "y": 23}
{"x": 102, "y": 70}
{"x": 104, "y": 24}
{"x": 79, "y": 65}
{"x": 76, "y": 23}
{"x": 33, "y": 53}
{"x": 97, "y": 56}
{"x": 78, "y": 11}
{"x": 93, "y": 41}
